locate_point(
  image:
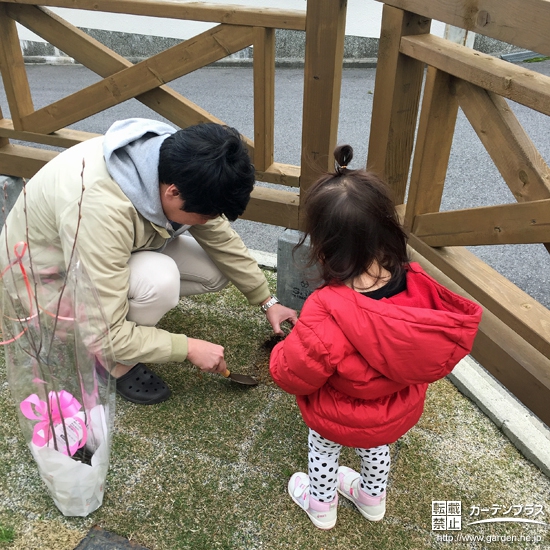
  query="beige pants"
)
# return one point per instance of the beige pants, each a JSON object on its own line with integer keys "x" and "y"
{"x": 158, "y": 279}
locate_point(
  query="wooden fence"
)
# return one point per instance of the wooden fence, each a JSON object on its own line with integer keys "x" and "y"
{"x": 238, "y": 28}
{"x": 514, "y": 340}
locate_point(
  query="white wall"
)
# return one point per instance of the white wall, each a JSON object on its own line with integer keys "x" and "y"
{"x": 363, "y": 19}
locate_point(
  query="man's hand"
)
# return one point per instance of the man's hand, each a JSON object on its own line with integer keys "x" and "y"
{"x": 205, "y": 355}
{"x": 278, "y": 313}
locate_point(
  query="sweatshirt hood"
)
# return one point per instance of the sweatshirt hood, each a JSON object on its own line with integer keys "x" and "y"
{"x": 131, "y": 149}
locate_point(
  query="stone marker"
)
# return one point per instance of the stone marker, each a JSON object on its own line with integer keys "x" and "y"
{"x": 294, "y": 282}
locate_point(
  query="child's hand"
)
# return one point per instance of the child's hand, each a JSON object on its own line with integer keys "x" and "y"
{"x": 278, "y": 314}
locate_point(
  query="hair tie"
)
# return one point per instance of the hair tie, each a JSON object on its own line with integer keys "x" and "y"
{"x": 339, "y": 168}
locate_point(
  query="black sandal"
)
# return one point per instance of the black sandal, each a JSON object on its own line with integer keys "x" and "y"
{"x": 141, "y": 385}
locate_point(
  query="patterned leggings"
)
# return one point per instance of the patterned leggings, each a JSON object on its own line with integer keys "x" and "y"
{"x": 323, "y": 468}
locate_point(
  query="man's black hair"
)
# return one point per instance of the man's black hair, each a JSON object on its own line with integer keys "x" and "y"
{"x": 210, "y": 166}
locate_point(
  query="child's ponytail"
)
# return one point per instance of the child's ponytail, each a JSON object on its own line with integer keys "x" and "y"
{"x": 343, "y": 155}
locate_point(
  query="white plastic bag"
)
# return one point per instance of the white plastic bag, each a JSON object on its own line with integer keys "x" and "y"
{"x": 58, "y": 354}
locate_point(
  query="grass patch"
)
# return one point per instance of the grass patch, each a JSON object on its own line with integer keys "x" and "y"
{"x": 208, "y": 468}
{"x": 536, "y": 59}
{"x": 7, "y": 534}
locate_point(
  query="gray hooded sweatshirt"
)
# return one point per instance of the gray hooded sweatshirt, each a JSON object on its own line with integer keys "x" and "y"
{"x": 131, "y": 150}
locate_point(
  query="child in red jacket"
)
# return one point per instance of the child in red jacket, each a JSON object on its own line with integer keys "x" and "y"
{"x": 367, "y": 344}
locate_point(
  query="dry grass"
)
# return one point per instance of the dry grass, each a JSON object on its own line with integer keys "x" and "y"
{"x": 208, "y": 469}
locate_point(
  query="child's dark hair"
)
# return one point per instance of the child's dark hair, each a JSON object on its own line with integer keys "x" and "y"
{"x": 210, "y": 166}
{"x": 351, "y": 221}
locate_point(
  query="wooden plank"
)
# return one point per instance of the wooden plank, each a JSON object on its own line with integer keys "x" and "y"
{"x": 181, "y": 111}
{"x": 284, "y": 174}
{"x": 514, "y": 154}
{"x": 61, "y": 138}
{"x": 274, "y": 207}
{"x": 523, "y": 314}
{"x": 103, "y": 61}
{"x": 144, "y": 76}
{"x": 514, "y": 82}
{"x": 433, "y": 145}
{"x": 324, "y": 55}
{"x": 13, "y": 70}
{"x": 524, "y": 23}
{"x": 266, "y": 205}
{"x": 395, "y": 102}
{"x": 21, "y": 161}
{"x": 521, "y": 368}
{"x": 194, "y": 11}
{"x": 264, "y": 98}
{"x": 527, "y": 222}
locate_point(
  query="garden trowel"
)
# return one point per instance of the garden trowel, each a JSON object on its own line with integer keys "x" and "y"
{"x": 240, "y": 378}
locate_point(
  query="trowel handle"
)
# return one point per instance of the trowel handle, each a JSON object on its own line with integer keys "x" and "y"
{"x": 226, "y": 373}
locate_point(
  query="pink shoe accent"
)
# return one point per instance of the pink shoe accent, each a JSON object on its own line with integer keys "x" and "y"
{"x": 368, "y": 500}
{"x": 314, "y": 504}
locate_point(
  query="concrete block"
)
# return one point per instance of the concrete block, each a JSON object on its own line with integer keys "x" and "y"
{"x": 10, "y": 188}
{"x": 295, "y": 282}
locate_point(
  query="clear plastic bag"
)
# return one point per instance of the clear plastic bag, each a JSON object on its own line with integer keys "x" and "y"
{"x": 58, "y": 356}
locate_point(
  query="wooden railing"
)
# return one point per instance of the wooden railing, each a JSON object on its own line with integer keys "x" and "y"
{"x": 238, "y": 27}
{"x": 514, "y": 339}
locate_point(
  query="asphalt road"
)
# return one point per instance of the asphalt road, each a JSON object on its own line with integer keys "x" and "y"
{"x": 227, "y": 93}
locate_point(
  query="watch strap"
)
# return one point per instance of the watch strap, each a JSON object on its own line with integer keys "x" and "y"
{"x": 271, "y": 302}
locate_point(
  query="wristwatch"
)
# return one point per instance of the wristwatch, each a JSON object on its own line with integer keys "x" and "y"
{"x": 271, "y": 302}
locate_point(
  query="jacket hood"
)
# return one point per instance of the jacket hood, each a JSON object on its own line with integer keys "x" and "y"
{"x": 131, "y": 150}
{"x": 425, "y": 316}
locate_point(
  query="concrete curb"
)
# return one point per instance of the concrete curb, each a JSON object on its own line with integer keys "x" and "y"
{"x": 524, "y": 430}
{"x": 282, "y": 62}
{"x": 266, "y": 260}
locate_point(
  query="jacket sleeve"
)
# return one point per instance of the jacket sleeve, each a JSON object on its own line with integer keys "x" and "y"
{"x": 227, "y": 250}
{"x": 301, "y": 364}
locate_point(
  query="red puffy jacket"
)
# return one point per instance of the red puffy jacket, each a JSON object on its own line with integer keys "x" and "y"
{"x": 360, "y": 367}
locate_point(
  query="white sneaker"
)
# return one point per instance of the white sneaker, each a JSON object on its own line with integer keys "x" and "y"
{"x": 373, "y": 508}
{"x": 322, "y": 514}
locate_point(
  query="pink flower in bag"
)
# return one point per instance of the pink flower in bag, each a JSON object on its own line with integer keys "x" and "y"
{"x": 69, "y": 429}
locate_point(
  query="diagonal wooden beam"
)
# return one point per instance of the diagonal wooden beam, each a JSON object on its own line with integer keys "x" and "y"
{"x": 527, "y": 222}
{"x": 517, "y": 83}
{"x": 194, "y": 11}
{"x": 105, "y": 62}
{"x": 13, "y": 70}
{"x": 514, "y": 154}
{"x": 181, "y": 59}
